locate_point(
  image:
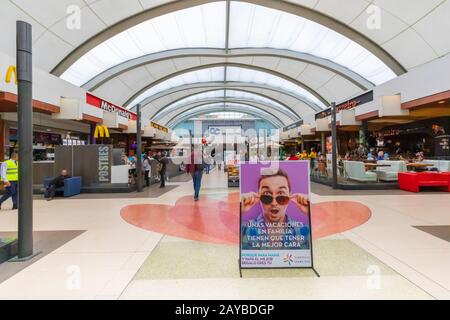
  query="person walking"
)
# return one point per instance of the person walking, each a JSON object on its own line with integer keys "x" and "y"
{"x": 132, "y": 171}
{"x": 147, "y": 168}
{"x": 163, "y": 161}
{"x": 196, "y": 171}
{"x": 10, "y": 177}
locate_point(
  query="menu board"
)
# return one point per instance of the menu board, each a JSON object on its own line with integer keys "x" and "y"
{"x": 45, "y": 137}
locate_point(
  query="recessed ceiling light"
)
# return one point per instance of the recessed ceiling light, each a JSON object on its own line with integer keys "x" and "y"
{"x": 441, "y": 102}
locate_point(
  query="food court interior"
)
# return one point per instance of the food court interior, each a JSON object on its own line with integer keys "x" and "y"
{"x": 360, "y": 89}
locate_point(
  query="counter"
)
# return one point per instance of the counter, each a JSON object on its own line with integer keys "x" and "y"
{"x": 42, "y": 170}
{"x": 119, "y": 174}
{"x": 86, "y": 161}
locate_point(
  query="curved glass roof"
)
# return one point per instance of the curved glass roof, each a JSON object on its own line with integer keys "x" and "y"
{"x": 220, "y": 107}
{"x": 252, "y": 96}
{"x": 234, "y": 74}
{"x": 237, "y": 74}
{"x": 226, "y": 94}
{"x": 197, "y": 27}
{"x": 257, "y": 26}
{"x": 251, "y": 25}
{"x": 198, "y": 76}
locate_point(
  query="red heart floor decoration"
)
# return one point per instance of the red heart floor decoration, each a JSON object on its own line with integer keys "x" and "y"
{"x": 217, "y": 221}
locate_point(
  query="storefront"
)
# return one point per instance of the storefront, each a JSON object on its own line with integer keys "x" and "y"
{"x": 374, "y": 147}
{"x": 431, "y": 137}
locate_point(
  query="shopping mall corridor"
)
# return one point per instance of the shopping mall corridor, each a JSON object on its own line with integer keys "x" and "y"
{"x": 375, "y": 246}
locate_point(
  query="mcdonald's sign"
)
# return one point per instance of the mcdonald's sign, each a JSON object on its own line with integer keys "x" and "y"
{"x": 101, "y": 132}
{"x": 109, "y": 107}
{"x": 12, "y": 71}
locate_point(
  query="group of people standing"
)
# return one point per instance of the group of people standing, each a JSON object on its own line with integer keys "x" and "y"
{"x": 196, "y": 168}
{"x": 9, "y": 174}
{"x": 162, "y": 160}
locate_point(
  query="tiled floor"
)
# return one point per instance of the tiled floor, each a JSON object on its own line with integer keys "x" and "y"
{"x": 201, "y": 270}
{"x": 45, "y": 242}
{"x": 442, "y": 232}
{"x": 383, "y": 258}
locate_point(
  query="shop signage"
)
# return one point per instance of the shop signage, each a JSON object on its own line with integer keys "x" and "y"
{"x": 11, "y": 72}
{"x": 159, "y": 127}
{"x": 275, "y": 221}
{"x": 444, "y": 142}
{"x": 297, "y": 124}
{"x": 109, "y": 107}
{"x": 104, "y": 164}
{"x": 347, "y": 105}
{"x": 101, "y": 132}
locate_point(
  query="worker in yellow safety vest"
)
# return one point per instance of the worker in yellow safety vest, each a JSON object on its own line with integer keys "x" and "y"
{"x": 10, "y": 177}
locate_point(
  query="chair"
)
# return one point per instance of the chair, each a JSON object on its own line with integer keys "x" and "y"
{"x": 72, "y": 186}
{"x": 390, "y": 173}
{"x": 356, "y": 171}
{"x": 412, "y": 181}
{"x": 322, "y": 169}
{"x": 315, "y": 167}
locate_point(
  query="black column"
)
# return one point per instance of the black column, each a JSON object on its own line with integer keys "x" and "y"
{"x": 334, "y": 143}
{"x": 362, "y": 135}
{"x": 323, "y": 148}
{"x": 139, "y": 148}
{"x": 25, "y": 118}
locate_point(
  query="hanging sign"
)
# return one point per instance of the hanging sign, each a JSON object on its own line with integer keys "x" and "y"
{"x": 295, "y": 125}
{"x": 159, "y": 127}
{"x": 347, "y": 105}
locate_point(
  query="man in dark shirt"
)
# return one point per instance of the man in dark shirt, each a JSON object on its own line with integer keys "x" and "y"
{"x": 58, "y": 182}
{"x": 162, "y": 159}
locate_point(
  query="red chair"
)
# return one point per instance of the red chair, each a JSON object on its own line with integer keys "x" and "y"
{"x": 412, "y": 181}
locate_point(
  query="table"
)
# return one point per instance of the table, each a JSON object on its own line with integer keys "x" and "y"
{"x": 419, "y": 165}
{"x": 415, "y": 166}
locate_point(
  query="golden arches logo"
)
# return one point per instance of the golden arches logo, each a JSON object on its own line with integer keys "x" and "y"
{"x": 12, "y": 71}
{"x": 101, "y": 132}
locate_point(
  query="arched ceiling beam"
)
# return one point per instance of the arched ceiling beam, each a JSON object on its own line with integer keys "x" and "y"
{"x": 161, "y": 113}
{"x": 287, "y": 110}
{"x": 193, "y": 112}
{"x": 251, "y": 104}
{"x": 281, "y": 5}
{"x": 238, "y": 65}
{"x": 225, "y": 106}
{"x": 113, "y": 72}
{"x": 236, "y": 86}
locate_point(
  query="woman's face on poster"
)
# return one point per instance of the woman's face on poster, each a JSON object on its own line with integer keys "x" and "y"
{"x": 275, "y": 196}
